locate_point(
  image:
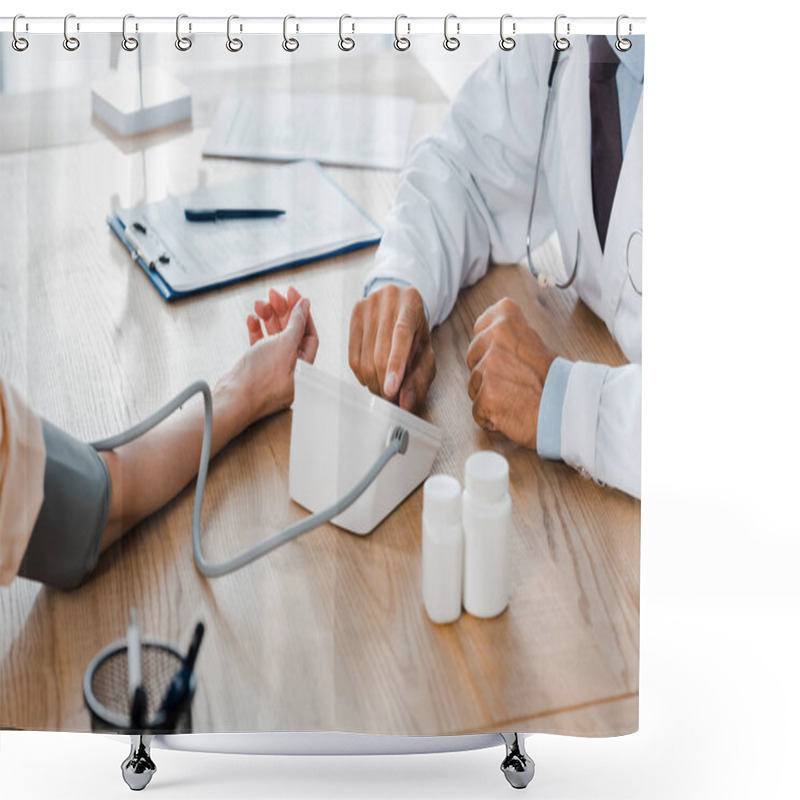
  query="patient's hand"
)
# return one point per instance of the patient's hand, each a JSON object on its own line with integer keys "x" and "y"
{"x": 266, "y": 372}
{"x": 275, "y": 315}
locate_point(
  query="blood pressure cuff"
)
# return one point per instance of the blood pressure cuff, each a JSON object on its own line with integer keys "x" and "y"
{"x": 65, "y": 543}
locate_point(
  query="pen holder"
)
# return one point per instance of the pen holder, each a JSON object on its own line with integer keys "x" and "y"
{"x": 105, "y": 688}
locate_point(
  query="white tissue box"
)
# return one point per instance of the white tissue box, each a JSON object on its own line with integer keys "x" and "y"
{"x": 130, "y": 108}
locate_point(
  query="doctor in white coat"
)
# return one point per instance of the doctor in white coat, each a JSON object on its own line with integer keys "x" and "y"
{"x": 465, "y": 201}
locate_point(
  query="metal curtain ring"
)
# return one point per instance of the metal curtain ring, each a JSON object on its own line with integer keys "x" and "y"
{"x": 623, "y": 45}
{"x": 71, "y": 43}
{"x": 451, "y": 42}
{"x": 233, "y": 44}
{"x": 129, "y": 43}
{"x": 346, "y": 43}
{"x": 19, "y": 43}
{"x": 401, "y": 43}
{"x": 183, "y": 43}
{"x": 560, "y": 43}
{"x": 289, "y": 44}
{"x": 507, "y": 42}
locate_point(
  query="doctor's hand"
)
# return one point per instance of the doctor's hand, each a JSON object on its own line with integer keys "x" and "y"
{"x": 265, "y": 374}
{"x": 390, "y": 345}
{"x": 508, "y": 364}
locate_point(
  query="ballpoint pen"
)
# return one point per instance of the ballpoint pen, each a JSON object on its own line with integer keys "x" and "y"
{"x": 215, "y": 214}
{"x": 178, "y": 689}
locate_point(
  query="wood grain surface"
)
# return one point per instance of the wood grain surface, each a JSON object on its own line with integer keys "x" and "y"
{"x": 328, "y": 632}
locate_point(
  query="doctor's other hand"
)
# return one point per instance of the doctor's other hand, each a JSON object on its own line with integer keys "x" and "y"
{"x": 265, "y": 374}
{"x": 390, "y": 345}
{"x": 508, "y": 364}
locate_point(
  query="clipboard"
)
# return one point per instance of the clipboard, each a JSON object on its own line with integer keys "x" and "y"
{"x": 182, "y": 258}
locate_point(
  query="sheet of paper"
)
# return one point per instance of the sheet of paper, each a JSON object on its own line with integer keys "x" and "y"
{"x": 320, "y": 219}
{"x": 344, "y": 129}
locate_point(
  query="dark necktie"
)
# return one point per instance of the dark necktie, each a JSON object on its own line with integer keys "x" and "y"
{"x": 606, "y": 135}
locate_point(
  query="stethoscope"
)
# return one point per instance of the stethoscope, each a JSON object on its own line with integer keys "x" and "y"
{"x": 635, "y": 236}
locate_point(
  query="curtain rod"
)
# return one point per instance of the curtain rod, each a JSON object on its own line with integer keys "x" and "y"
{"x": 461, "y": 26}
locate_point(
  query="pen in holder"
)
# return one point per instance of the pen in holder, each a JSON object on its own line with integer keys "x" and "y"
{"x": 159, "y": 703}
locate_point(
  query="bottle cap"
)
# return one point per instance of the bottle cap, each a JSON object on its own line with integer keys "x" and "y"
{"x": 487, "y": 475}
{"x": 441, "y": 500}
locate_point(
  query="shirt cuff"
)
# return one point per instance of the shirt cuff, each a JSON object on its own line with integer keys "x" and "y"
{"x": 377, "y": 283}
{"x": 551, "y": 407}
{"x": 581, "y": 417}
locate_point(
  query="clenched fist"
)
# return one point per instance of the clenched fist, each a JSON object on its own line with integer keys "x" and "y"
{"x": 508, "y": 364}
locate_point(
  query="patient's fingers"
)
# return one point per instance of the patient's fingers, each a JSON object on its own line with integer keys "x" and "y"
{"x": 267, "y": 313}
{"x": 278, "y": 302}
{"x": 254, "y": 329}
{"x": 277, "y": 315}
{"x": 311, "y": 328}
{"x": 262, "y": 309}
{"x": 296, "y": 327}
{"x": 310, "y": 344}
{"x": 292, "y": 296}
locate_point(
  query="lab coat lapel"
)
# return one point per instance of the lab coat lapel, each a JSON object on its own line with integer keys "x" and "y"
{"x": 623, "y": 307}
{"x": 626, "y": 213}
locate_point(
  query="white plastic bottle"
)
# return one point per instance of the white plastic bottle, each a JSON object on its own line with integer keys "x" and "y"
{"x": 442, "y": 548}
{"x": 486, "y": 515}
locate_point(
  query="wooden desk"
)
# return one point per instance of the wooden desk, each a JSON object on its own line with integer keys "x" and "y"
{"x": 328, "y": 632}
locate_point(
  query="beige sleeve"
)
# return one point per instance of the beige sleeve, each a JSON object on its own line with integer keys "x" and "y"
{"x": 22, "y": 460}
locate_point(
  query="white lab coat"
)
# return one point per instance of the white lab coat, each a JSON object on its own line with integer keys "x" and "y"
{"x": 464, "y": 201}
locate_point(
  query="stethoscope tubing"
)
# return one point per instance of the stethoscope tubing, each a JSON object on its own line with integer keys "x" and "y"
{"x": 548, "y": 103}
{"x": 543, "y": 279}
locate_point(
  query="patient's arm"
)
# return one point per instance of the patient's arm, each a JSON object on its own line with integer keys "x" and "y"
{"x": 150, "y": 471}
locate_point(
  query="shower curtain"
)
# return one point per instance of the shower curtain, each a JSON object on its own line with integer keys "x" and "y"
{"x": 407, "y": 183}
